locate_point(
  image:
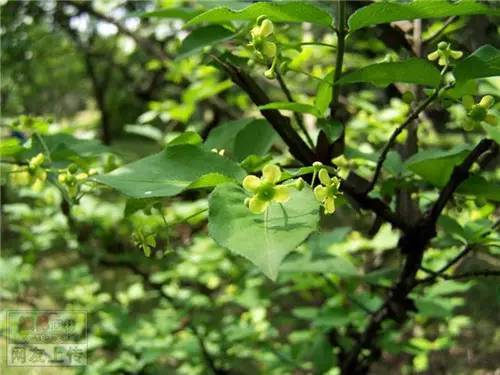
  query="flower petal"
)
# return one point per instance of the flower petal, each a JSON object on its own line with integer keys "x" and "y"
{"x": 251, "y": 183}
{"x": 324, "y": 177}
{"x": 329, "y": 205}
{"x": 281, "y": 194}
{"x": 271, "y": 173}
{"x": 257, "y": 206}
{"x": 491, "y": 119}
{"x": 320, "y": 193}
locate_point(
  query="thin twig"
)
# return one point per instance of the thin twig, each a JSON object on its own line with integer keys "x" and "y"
{"x": 339, "y": 61}
{"x": 394, "y": 135}
{"x": 441, "y": 30}
{"x": 297, "y": 116}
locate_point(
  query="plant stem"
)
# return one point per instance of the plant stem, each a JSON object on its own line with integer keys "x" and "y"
{"x": 298, "y": 118}
{"x": 340, "y": 55}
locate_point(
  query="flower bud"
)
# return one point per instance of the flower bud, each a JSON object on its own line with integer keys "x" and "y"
{"x": 442, "y": 45}
{"x": 267, "y": 27}
{"x": 408, "y": 97}
{"x": 299, "y": 184}
{"x": 37, "y": 160}
{"x": 487, "y": 101}
{"x": 72, "y": 168}
{"x": 270, "y": 74}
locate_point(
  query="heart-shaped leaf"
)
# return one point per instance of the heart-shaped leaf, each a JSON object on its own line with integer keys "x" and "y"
{"x": 264, "y": 243}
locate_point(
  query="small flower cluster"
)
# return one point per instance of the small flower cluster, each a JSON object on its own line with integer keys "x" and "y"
{"x": 72, "y": 179}
{"x": 327, "y": 192}
{"x": 444, "y": 54}
{"x": 476, "y": 113}
{"x": 144, "y": 241}
{"x": 34, "y": 174}
{"x": 264, "y": 50}
{"x": 267, "y": 189}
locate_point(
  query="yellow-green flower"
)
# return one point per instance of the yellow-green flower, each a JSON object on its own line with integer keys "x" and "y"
{"x": 265, "y": 189}
{"x": 327, "y": 192}
{"x": 478, "y": 112}
{"x": 444, "y": 53}
{"x": 145, "y": 242}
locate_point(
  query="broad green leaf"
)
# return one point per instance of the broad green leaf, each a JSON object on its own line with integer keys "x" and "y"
{"x": 484, "y": 62}
{"x": 64, "y": 146}
{"x": 385, "y": 12}
{"x": 10, "y": 146}
{"x": 481, "y": 188}
{"x": 242, "y": 138}
{"x": 332, "y": 128}
{"x": 324, "y": 94}
{"x": 135, "y": 204}
{"x": 174, "y": 13}
{"x": 169, "y": 172}
{"x": 202, "y": 37}
{"x": 145, "y": 130}
{"x": 210, "y": 180}
{"x": 414, "y": 70}
{"x": 436, "y": 166}
{"x": 189, "y": 137}
{"x": 295, "y": 107}
{"x": 493, "y": 132}
{"x": 331, "y": 265}
{"x": 276, "y": 12}
{"x": 266, "y": 244}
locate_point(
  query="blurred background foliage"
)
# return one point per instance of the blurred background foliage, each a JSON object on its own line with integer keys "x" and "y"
{"x": 96, "y": 71}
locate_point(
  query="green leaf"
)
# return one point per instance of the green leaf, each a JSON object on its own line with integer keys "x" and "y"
{"x": 481, "y": 188}
{"x": 242, "y": 138}
{"x": 331, "y": 265}
{"x": 135, "y": 204}
{"x": 169, "y": 172}
{"x": 233, "y": 226}
{"x": 483, "y": 62}
{"x": 493, "y": 132}
{"x": 202, "y": 37}
{"x": 332, "y": 128}
{"x": 64, "y": 146}
{"x": 10, "y": 147}
{"x": 295, "y": 107}
{"x": 414, "y": 70}
{"x": 324, "y": 94}
{"x": 276, "y": 12}
{"x": 189, "y": 137}
{"x": 436, "y": 166}
{"x": 145, "y": 130}
{"x": 175, "y": 13}
{"x": 385, "y": 12}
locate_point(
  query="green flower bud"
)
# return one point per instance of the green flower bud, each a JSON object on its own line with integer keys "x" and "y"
{"x": 270, "y": 73}
{"x": 443, "y": 45}
{"x": 299, "y": 184}
{"x": 37, "y": 161}
{"x": 487, "y": 101}
{"x": 477, "y": 113}
{"x": 408, "y": 97}
{"x": 72, "y": 168}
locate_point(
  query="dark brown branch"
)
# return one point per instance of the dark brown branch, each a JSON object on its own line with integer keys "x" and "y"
{"x": 297, "y": 116}
{"x": 298, "y": 148}
{"x": 459, "y": 175}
